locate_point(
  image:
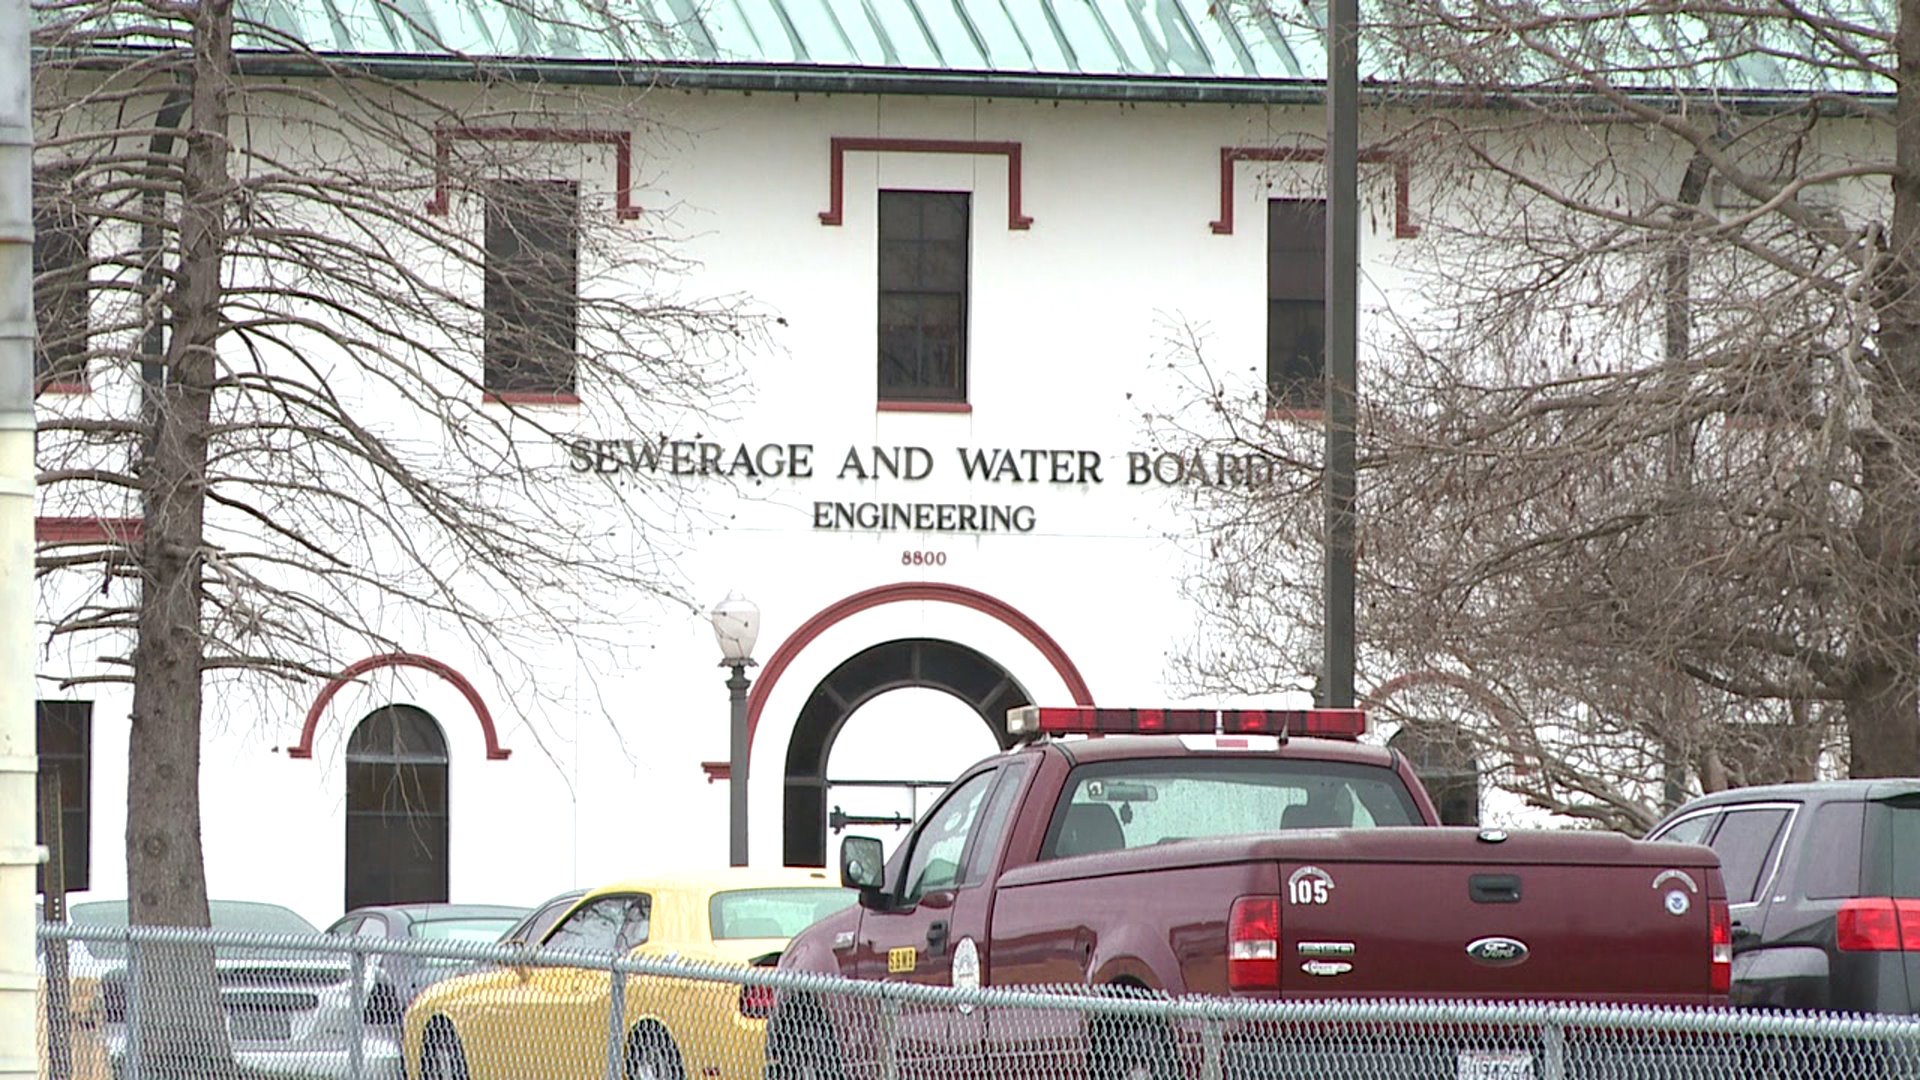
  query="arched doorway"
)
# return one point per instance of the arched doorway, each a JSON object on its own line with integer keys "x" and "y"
{"x": 396, "y": 808}
{"x": 986, "y": 687}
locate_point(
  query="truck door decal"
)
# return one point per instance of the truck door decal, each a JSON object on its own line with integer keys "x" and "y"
{"x": 1309, "y": 885}
{"x": 902, "y": 961}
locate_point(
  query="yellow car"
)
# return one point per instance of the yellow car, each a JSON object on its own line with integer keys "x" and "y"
{"x": 523, "y": 1020}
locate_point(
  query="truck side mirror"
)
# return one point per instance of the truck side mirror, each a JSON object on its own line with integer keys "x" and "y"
{"x": 863, "y": 863}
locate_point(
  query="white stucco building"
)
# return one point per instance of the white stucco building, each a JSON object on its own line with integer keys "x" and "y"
{"x": 936, "y": 482}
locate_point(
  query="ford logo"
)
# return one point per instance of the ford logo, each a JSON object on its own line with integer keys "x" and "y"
{"x": 1498, "y": 951}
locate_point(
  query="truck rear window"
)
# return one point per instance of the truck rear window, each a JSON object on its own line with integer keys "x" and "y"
{"x": 1115, "y": 805}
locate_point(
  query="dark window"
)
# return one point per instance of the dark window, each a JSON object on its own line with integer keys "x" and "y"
{"x": 1745, "y": 843}
{"x": 60, "y": 274}
{"x": 609, "y": 924}
{"x": 65, "y": 733}
{"x": 923, "y": 295}
{"x": 1296, "y": 303}
{"x": 1833, "y": 851}
{"x": 1892, "y": 856}
{"x": 1693, "y": 830}
{"x": 396, "y": 809}
{"x": 993, "y": 825}
{"x": 532, "y": 286}
{"x": 536, "y": 925}
{"x": 940, "y": 844}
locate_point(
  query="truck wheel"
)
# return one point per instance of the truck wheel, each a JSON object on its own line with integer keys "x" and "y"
{"x": 801, "y": 1044}
{"x": 651, "y": 1055}
{"x": 441, "y": 1056}
{"x": 1130, "y": 1050}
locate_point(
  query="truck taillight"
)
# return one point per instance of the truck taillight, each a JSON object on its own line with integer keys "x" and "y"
{"x": 1324, "y": 723}
{"x": 756, "y": 1002}
{"x": 1720, "y": 923}
{"x": 1878, "y": 924}
{"x": 1253, "y": 943}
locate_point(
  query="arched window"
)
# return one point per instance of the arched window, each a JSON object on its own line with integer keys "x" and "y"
{"x": 1442, "y": 757}
{"x": 396, "y": 809}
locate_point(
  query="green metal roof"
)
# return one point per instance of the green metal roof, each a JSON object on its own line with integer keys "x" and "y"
{"x": 1210, "y": 49}
{"x": 1192, "y": 38}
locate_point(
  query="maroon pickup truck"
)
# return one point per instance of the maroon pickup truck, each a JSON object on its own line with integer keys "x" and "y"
{"x": 1226, "y": 854}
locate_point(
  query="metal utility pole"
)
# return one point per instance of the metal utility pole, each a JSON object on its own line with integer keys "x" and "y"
{"x": 19, "y": 857}
{"x": 1343, "y": 337}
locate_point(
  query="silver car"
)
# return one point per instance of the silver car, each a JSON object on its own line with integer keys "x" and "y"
{"x": 289, "y": 1013}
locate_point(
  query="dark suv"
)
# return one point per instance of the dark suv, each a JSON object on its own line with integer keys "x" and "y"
{"x": 1823, "y": 880}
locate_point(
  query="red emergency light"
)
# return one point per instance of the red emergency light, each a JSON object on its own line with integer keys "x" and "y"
{"x": 1030, "y": 720}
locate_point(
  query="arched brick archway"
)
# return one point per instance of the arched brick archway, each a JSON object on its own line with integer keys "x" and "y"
{"x": 938, "y": 592}
{"x": 965, "y": 673}
{"x": 929, "y": 663}
{"x": 304, "y": 748}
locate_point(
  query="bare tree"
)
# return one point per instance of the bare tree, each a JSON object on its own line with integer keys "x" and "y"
{"x": 1638, "y": 489}
{"x": 307, "y": 301}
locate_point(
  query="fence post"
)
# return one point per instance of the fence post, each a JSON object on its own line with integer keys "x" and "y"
{"x": 1213, "y": 1043}
{"x": 357, "y": 1023}
{"x": 135, "y": 1017}
{"x": 1553, "y": 1043}
{"x": 616, "y": 1022}
{"x": 889, "y": 1039}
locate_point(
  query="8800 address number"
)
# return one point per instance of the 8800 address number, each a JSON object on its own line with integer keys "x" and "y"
{"x": 923, "y": 558}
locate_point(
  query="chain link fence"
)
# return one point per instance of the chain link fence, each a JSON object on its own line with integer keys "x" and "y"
{"x": 158, "y": 1004}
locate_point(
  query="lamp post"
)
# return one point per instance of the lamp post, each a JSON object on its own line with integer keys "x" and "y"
{"x": 736, "y": 623}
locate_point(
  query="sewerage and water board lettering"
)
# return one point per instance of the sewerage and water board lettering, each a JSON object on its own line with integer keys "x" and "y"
{"x": 1012, "y": 467}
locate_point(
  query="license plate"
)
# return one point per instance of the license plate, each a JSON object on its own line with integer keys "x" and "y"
{"x": 260, "y": 1027}
{"x": 1494, "y": 1065}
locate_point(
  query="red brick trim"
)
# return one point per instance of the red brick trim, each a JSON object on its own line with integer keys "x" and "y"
{"x": 530, "y": 397}
{"x": 88, "y": 530}
{"x": 79, "y": 387}
{"x": 904, "y": 592}
{"x": 1403, "y": 226}
{"x": 925, "y": 406}
{"x": 495, "y": 752}
{"x": 718, "y": 770}
{"x": 839, "y": 145}
{"x": 621, "y": 141}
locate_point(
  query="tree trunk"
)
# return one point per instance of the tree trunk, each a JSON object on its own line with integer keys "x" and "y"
{"x": 184, "y": 1030}
{"x": 1883, "y": 702}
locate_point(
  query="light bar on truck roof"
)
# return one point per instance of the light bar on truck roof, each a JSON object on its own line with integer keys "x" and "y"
{"x": 1030, "y": 720}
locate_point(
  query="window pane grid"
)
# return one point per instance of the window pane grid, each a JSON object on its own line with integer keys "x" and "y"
{"x": 923, "y": 295}
{"x": 1296, "y": 303}
{"x": 532, "y": 286}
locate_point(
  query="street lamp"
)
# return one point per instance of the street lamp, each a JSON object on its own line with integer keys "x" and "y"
{"x": 736, "y": 623}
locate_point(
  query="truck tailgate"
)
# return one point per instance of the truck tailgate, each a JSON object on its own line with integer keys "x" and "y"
{"x": 1416, "y": 912}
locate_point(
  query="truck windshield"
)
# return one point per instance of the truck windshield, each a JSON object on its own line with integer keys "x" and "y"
{"x": 1115, "y": 805}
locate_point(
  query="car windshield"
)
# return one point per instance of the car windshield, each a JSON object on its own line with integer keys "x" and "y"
{"x": 477, "y": 929}
{"x": 774, "y": 913}
{"x": 238, "y": 915}
{"x": 1116, "y": 805}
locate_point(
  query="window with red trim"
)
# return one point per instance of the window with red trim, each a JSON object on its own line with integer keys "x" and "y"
{"x": 532, "y": 287}
{"x": 1296, "y": 304}
{"x": 923, "y": 295}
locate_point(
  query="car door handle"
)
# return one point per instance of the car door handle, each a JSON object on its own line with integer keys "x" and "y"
{"x": 937, "y": 937}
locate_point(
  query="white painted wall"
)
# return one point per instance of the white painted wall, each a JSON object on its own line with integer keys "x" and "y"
{"x": 1067, "y": 350}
